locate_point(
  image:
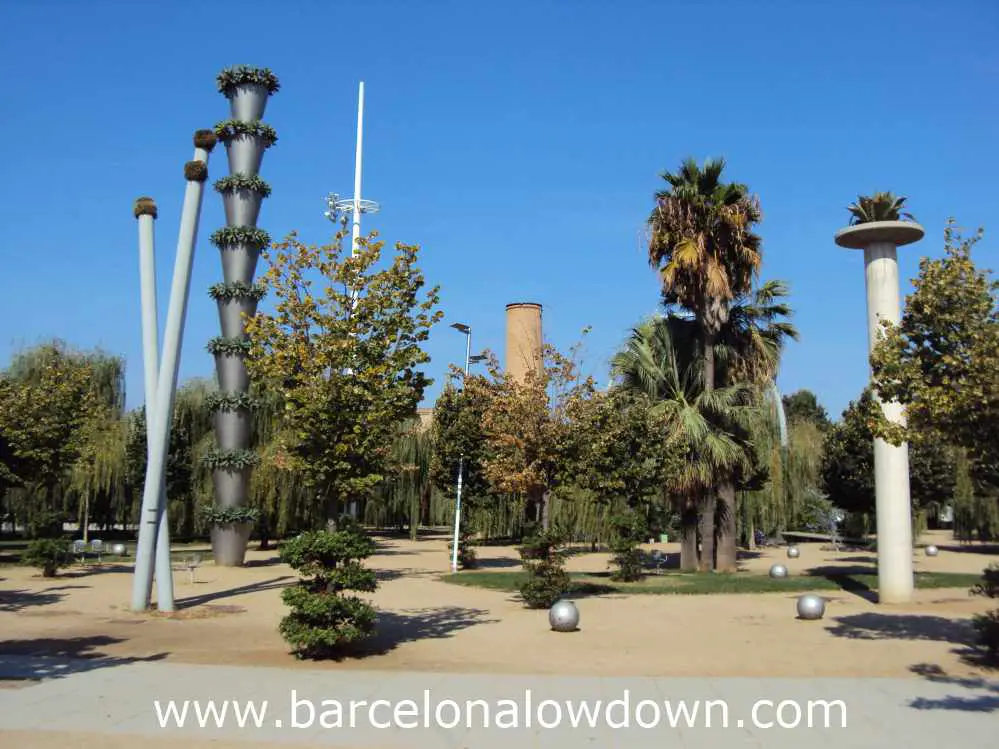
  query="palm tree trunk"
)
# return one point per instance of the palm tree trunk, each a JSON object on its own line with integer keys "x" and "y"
{"x": 727, "y": 551}
{"x": 688, "y": 537}
{"x": 706, "y": 526}
{"x": 707, "y": 519}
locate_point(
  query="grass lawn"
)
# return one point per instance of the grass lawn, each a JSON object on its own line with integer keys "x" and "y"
{"x": 704, "y": 584}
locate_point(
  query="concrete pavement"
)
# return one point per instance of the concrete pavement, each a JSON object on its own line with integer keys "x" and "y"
{"x": 118, "y": 699}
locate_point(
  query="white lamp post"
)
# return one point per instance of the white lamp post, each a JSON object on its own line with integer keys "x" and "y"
{"x": 467, "y": 330}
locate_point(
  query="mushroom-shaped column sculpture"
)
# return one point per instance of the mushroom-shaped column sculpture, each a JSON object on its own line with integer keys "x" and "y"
{"x": 879, "y": 240}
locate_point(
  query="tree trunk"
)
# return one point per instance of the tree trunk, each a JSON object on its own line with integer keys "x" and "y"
{"x": 727, "y": 549}
{"x": 545, "y": 511}
{"x": 688, "y": 538}
{"x": 706, "y": 526}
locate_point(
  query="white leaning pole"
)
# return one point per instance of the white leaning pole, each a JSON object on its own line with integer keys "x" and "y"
{"x": 145, "y": 211}
{"x": 879, "y": 240}
{"x": 196, "y": 172}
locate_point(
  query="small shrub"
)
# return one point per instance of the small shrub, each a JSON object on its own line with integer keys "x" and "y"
{"x": 48, "y": 554}
{"x": 630, "y": 529}
{"x": 466, "y": 552}
{"x": 322, "y": 618}
{"x": 988, "y": 624}
{"x": 544, "y": 561}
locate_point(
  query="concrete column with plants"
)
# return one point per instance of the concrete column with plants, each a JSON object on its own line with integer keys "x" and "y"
{"x": 878, "y": 227}
{"x": 246, "y": 138}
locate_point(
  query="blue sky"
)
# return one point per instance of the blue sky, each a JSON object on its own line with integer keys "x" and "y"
{"x": 518, "y": 143}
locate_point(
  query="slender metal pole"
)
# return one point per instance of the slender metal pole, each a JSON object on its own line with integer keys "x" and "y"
{"x": 461, "y": 467}
{"x": 150, "y": 361}
{"x": 355, "y": 231}
{"x": 166, "y": 386}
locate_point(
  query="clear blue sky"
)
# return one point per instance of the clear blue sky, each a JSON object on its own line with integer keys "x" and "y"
{"x": 518, "y": 143}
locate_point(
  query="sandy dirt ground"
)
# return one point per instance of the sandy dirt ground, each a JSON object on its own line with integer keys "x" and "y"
{"x": 230, "y": 616}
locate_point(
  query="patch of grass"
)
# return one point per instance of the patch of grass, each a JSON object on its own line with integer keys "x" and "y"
{"x": 707, "y": 584}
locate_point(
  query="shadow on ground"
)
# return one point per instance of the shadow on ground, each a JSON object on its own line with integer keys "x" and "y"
{"x": 47, "y": 658}
{"x": 845, "y": 578}
{"x": 980, "y": 695}
{"x": 971, "y": 548}
{"x": 873, "y": 626}
{"x": 395, "y": 628}
{"x": 13, "y": 601}
{"x": 272, "y": 584}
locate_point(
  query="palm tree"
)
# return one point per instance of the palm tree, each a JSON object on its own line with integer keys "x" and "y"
{"x": 882, "y": 206}
{"x": 661, "y": 360}
{"x": 703, "y": 244}
{"x": 747, "y": 355}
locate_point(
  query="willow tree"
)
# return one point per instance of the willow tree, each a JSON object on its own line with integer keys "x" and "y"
{"x": 342, "y": 346}
{"x": 49, "y": 397}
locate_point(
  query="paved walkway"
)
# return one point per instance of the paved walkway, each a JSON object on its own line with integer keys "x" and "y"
{"x": 115, "y": 699}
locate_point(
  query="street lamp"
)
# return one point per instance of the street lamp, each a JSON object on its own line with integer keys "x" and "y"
{"x": 467, "y": 331}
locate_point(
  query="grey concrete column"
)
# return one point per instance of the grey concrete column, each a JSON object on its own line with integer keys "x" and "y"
{"x": 879, "y": 240}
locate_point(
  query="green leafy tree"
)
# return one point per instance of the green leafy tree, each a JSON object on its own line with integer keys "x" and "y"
{"x": 941, "y": 361}
{"x": 622, "y": 459}
{"x": 342, "y": 346}
{"x": 803, "y": 405}
{"x": 848, "y": 464}
{"x": 457, "y": 436}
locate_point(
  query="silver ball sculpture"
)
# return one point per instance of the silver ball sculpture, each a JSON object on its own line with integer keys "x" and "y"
{"x": 932, "y": 551}
{"x": 811, "y": 606}
{"x": 119, "y": 550}
{"x": 563, "y": 616}
{"x": 778, "y": 571}
{"x": 793, "y": 552}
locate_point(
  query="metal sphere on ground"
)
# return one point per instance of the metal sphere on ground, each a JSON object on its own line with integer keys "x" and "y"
{"x": 793, "y": 552}
{"x": 119, "y": 550}
{"x": 778, "y": 571}
{"x": 811, "y": 606}
{"x": 563, "y": 616}
{"x": 932, "y": 551}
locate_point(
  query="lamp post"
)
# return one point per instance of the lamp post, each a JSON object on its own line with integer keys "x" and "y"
{"x": 467, "y": 330}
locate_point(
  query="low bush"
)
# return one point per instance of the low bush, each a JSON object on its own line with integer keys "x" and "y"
{"x": 544, "y": 560}
{"x": 630, "y": 530}
{"x": 48, "y": 555}
{"x": 322, "y": 618}
{"x": 988, "y": 624}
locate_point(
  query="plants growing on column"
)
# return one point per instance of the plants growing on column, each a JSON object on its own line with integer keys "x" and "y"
{"x": 232, "y": 461}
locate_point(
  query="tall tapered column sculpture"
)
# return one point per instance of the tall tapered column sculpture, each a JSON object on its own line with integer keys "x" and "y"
{"x": 879, "y": 240}
{"x": 195, "y": 172}
{"x": 240, "y": 242}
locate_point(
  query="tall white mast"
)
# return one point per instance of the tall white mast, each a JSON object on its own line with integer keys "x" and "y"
{"x": 355, "y": 205}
